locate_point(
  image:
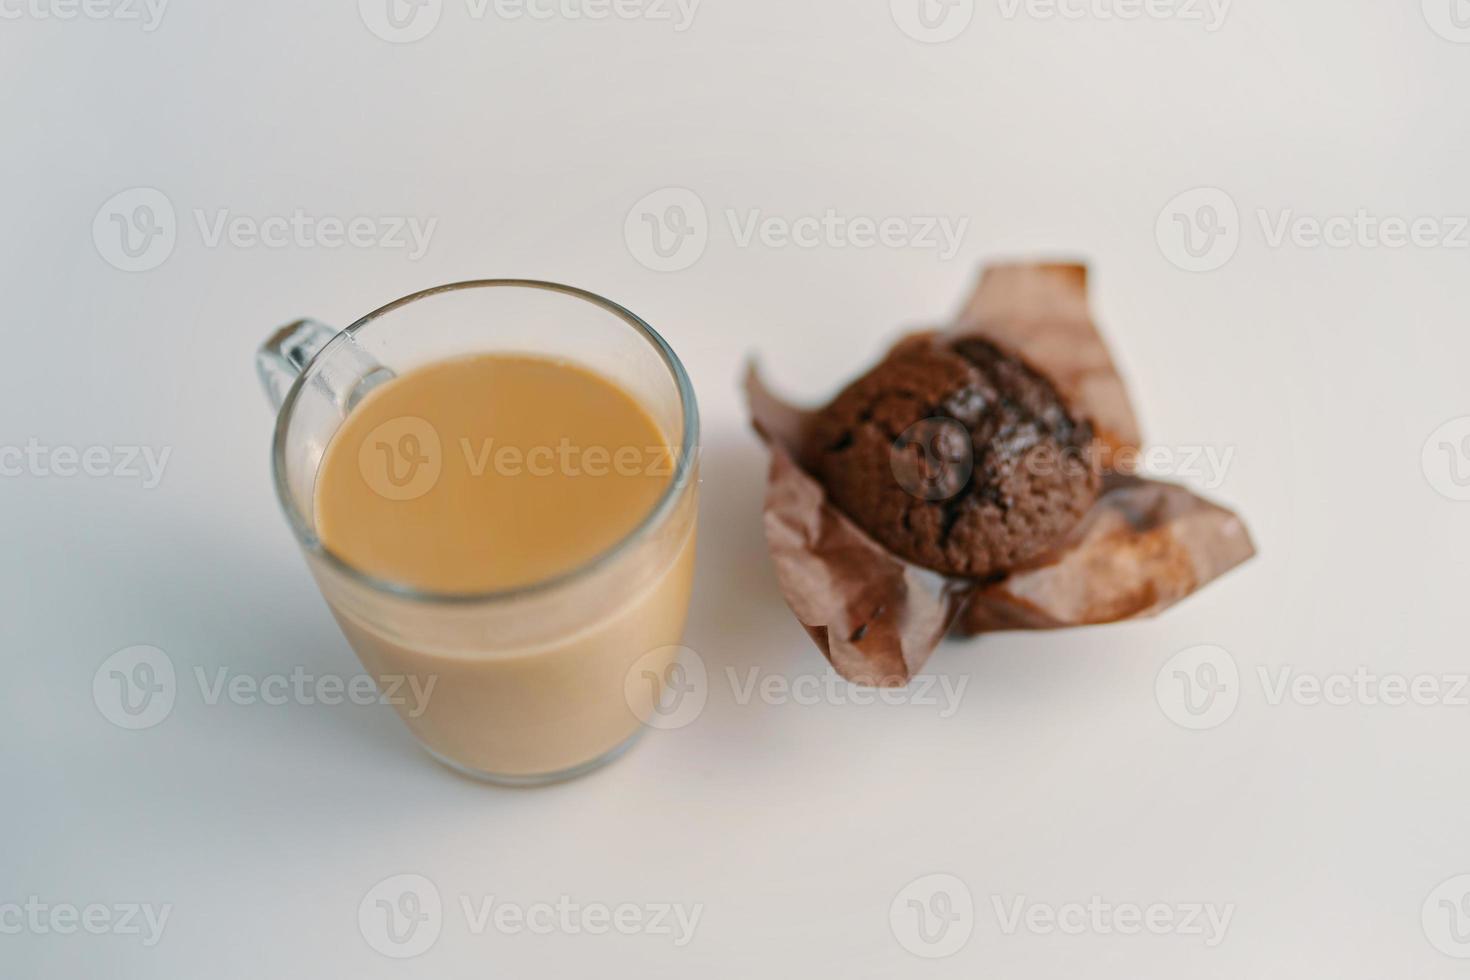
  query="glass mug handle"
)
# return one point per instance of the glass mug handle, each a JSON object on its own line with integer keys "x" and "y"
{"x": 287, "y": 352}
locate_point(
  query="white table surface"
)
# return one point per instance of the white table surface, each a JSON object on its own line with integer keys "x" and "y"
{"x": 1330, "y": 834}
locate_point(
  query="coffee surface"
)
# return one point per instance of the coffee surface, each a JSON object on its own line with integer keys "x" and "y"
{"x": 488, "y": 472}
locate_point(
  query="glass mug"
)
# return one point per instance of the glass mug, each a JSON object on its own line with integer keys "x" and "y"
{"x": 537, "y": 683}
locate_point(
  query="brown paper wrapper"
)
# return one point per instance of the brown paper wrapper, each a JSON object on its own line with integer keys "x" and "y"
{"x": 1142, "y": 547}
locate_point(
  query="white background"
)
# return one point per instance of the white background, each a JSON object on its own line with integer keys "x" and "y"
{"x": 794, "y": 826}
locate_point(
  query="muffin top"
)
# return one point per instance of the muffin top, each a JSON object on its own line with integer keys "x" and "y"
{"x": 955, "y": 455}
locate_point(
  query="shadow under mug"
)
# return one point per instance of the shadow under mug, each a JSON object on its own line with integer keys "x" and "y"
{"x": 529, "y": 685}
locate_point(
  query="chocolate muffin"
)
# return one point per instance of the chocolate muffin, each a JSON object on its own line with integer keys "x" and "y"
{"x": 955, "y": 455}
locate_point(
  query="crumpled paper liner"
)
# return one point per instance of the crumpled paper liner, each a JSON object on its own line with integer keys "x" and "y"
{"x": 1144, "y": 545}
